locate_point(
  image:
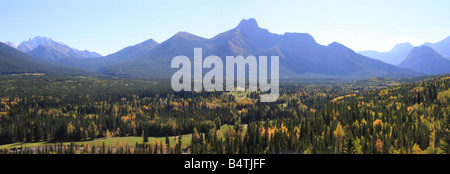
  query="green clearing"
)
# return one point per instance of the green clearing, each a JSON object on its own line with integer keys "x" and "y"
{"x": 225, "y": 127}
{"x": 131, "y": 141}
{"x": 239, "y": 95}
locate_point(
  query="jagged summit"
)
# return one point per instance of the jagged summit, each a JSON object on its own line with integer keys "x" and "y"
{"x": 248, "y": 23}
{"x": 37, "y": 41}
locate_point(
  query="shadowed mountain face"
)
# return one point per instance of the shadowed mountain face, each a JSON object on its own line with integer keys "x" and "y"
{"x": 426, "y": 60}
{"x": 299, "y": 54}
{"x": 395, "y": 56}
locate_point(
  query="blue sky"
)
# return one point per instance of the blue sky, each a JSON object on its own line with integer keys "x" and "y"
{"x": 106, "y": 26}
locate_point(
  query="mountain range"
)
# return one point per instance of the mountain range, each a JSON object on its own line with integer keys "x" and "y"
{"x": 50, "y": 49}
{"x": 300, "y": 55}
{"x": 426, "y": 60}
{"x": 397, "y": 54}
{"x": 14, "y": 61}
{"x": 442, "y": 47}
{"x": 98, "y": 64}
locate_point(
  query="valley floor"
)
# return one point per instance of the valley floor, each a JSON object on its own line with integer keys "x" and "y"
{"x": 104, "y": 115}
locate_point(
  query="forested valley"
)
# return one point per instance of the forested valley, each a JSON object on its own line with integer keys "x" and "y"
{"x": 372, "y": 116}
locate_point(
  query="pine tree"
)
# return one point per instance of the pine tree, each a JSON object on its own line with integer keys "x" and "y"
{"x": 167, "y": 144}
{"x": 155, "y": 150}
{"x": 178, "y": 146}
{"x": 103, "y": 148}
{"x": 144, "y": 136}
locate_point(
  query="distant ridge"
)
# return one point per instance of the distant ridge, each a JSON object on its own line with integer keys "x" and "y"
{"x": 14, "y": 61}
{"x": 395, "y": 56}
{"x": 426, "y": 60}
{"x": 50, "y": 49}
{"x": 442, "y": 47}
{"x": 98, "y": 64}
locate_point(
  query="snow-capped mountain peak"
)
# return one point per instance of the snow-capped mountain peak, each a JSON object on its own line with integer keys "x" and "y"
{"x": 38, "y": 41}
{"x": 12, "y": 44}
{"x": 50, "y": 49}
